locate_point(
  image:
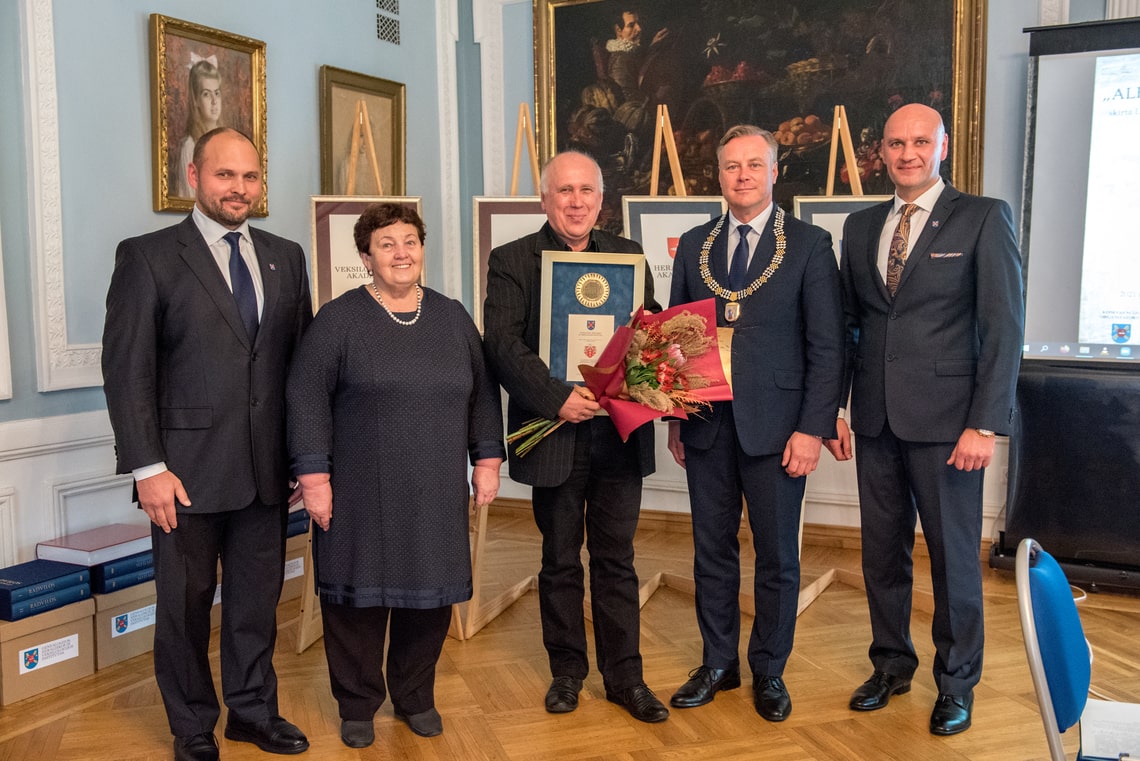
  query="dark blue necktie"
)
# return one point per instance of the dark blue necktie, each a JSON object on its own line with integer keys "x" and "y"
{"x": 738, "y": 267}
{"x": 242, "y": 284}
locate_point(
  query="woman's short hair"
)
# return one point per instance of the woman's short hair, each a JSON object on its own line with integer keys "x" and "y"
{"x": 381, "y": 215}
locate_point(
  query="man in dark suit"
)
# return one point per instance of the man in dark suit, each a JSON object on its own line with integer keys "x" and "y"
{"x": 932, "y": 284}
{"x": 583, "y": 477}
{"x": 778, "y": 294}
{"x": 202, "y": 320}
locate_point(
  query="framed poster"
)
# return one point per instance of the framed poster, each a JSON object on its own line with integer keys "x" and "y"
{"x": 499, "y": 220}
{"x": 585, "y": 297}
{"x": 201, "y": 78}
{"x": 336, "y": 265}
{"x": 362, "y": 134}
{"x": 830, "y": 212}
{"x": 657, "y": 223}
{"x": 602, "y": 67}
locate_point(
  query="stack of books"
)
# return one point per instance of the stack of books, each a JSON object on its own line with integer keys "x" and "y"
{"x": 39, "y": 586}
{"x": 298, "y": 523}
{"x": 118, "y": 555}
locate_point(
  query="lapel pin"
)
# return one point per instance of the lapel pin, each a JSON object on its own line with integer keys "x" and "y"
{"x": 272, "y": 266}
{"x": 932, "y": 224}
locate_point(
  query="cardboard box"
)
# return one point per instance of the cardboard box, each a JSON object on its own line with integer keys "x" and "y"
{"x": 124, "y": 624}
{"x": 44, "y": 651}
{"x": 295, "y": 547}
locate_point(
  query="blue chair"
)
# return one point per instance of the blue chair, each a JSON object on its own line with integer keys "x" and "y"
{"x": 1059, "y": 656}
{"x": 1060, "y": 659}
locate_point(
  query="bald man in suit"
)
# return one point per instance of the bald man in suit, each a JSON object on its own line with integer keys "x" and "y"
{"x": 202, "y": 321}
{"x": 933, "y": 295}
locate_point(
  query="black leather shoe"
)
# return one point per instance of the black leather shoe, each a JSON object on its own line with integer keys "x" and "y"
{"x": 425, "y": 723}
{"x": 203, "y": 747}
{"x": 272, "y": 735}
{"x": 641, "y": 703}
{"x": 771, "y": 698}
{"x": 951, "y": 714}
{"x": 357, "y": 734}
{"x": 874, "y": 693}
{"x": 562, "y": 697}
{"x": 703, "y": 684}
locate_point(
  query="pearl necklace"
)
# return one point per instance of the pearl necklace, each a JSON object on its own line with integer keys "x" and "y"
{"x": 397, "y": 320}
{"x": 732, "y": 308}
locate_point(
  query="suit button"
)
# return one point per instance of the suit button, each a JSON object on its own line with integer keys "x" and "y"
{"x": 890, "y": 357}
{"x": 254, "y": 357}
{"x": 894, "y": 316}
{"x": 253, "y": 403}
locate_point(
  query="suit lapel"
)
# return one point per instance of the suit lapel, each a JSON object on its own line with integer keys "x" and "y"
{"x": 201, "y": 262}
{"x": 718, "y": 254}
{"x": 874, "y": 231}
{"x": 270, "y": 276}
{"x": 765, "y": 249}
{"x": 919, "y": 253}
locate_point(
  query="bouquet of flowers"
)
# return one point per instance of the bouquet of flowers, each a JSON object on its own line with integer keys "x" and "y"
{"x": 658, "y": 365}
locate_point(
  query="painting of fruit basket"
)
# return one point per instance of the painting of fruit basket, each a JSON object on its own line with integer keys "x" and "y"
{"x": 603, "y": 66}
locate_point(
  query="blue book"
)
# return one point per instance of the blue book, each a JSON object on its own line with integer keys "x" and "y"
{"x": 113, "y": 568}
{"x": 124, "y": 580}
{"x": 37, "y": 577}
{"x": 293, "y": 528}
{"x": 45, "y": 602}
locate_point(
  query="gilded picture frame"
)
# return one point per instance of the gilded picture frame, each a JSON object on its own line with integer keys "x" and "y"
{"x": 782, "y": 66}
{"x": 348, "y": 101}
{"x": 335, "y": 263}
{"x": 201, "y": 78}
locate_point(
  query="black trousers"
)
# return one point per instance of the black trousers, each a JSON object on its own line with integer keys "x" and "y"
{"x": 354, "y": 649}
{"x": 897, "y": 480}
{"x": 251, "y": 545}
{"x": 717, "y": 478}
{"x": 602, "y": 500}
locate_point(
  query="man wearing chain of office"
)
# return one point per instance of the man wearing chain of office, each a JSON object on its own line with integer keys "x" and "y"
{"x": 776, "y": 285}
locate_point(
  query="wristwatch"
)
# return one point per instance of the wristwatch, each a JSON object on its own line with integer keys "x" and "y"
{"x": 984, "y": 433}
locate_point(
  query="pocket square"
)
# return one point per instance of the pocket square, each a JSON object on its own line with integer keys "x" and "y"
{"x": 950, "y": 255}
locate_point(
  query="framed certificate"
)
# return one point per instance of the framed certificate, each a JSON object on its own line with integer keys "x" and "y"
{"x": 336, "y": 265}
{"x": 830, "y": 212}
{"x": 499, "y": 220}
{"x": 585, "y": 297}
{"x": 657, "y": 223}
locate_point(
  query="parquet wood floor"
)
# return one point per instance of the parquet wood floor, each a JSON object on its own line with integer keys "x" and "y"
{"x": 490, "y": 688}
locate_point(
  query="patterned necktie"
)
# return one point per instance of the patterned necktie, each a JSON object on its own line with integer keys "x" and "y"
{"x": 242, "y": 283}
{"x": 738, "y": 267}
{"x": 896, "y": 258}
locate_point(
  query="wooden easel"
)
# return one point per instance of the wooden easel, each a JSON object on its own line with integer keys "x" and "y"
{"x": 362, "y": 124}
{"x": 663, "y": 131}
{"x": 841, "y": 131}
{"x": 479, "y": 612}
{"x": 524, "y": 132}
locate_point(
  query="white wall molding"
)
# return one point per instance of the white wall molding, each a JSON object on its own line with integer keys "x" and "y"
{"x": 58, "y": 476}
{"x": 1115, "y": 9}
{"x": 5, "y": 354}
{"x": 447, "y": 94}
{"x": 59, "y": 365}
{"x": 7, "y": 526}
{"x": 1052, "y": 12}
{"x": 488, "y": 16}
{"x": 71, "y": 496}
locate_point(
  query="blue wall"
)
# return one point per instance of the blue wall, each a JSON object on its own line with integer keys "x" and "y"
{"x": 103, "y": 90}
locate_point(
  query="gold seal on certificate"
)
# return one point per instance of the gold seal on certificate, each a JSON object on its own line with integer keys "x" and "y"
{"x": 592, "y": 290}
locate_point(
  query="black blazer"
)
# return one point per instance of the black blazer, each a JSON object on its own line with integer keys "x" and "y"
{"x": 183, "y": 384}
{"x": 511, "y": 328}
{"x": 943, "y": 355}
{"x": 787, "y": 346}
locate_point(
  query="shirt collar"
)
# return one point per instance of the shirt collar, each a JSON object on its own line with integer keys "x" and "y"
{"x": 213, "y": 231}
{"x": 756, "y": 225}
{"x": 925, "y": 201}
{"x": 561, "y": 245}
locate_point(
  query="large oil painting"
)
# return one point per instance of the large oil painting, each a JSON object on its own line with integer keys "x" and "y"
{"x": 603, "y": 66}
